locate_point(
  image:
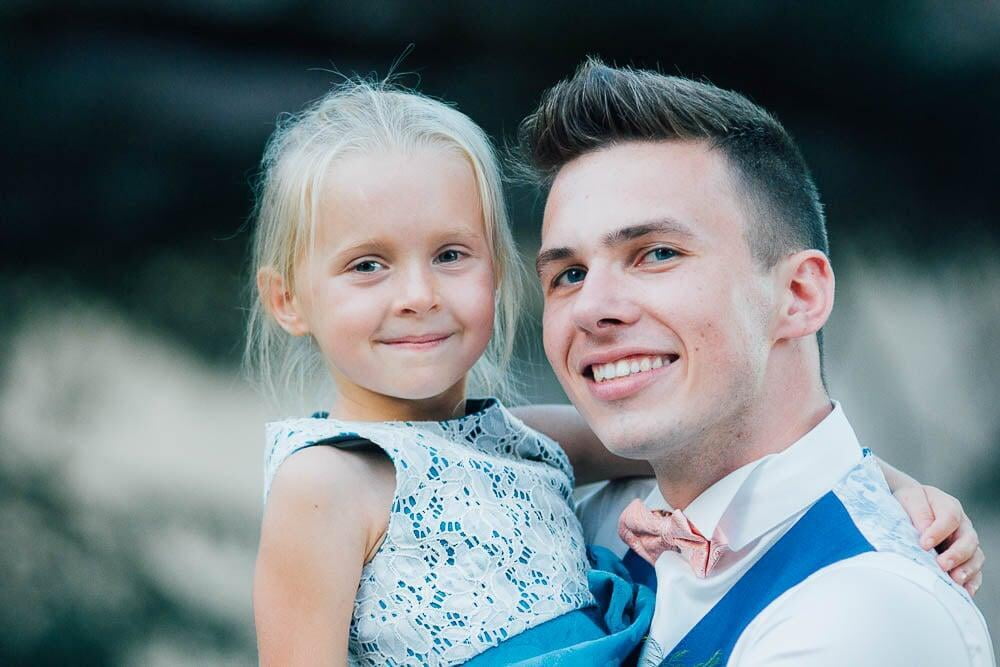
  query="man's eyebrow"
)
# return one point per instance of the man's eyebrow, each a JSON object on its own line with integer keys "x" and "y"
{"x": 617, "y": 237}
{"x": 632, "y": 232}
{"x": 546, "y": 257}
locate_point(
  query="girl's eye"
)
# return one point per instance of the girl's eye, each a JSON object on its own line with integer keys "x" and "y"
{"x": 367, "y": 266}
{"x": 658, "y": 255}
{"x": 570, "y": 276}
{"x": 449, "y": 256}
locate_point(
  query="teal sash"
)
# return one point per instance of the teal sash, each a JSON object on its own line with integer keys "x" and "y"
{"x": 609, "y": 632}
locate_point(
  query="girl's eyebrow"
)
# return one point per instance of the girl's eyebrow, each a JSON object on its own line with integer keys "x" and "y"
{"x": 365, "y": 246}
{"x": 459, "y": 234}
{"x": 381, "y": 246}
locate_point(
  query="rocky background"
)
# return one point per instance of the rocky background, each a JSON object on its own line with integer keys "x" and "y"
{"x": 130, "y": 445}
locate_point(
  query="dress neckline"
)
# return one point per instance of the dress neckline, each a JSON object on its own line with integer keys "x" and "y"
{"x": 474, "y": 407}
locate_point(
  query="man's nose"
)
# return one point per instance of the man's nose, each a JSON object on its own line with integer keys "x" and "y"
{"x": 604, "y": 302}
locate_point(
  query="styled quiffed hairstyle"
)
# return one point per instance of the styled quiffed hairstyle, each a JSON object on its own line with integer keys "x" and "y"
{"x": 600, "y": 106}
{"x": 363, "y": 116}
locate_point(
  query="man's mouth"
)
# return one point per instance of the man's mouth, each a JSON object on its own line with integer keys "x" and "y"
{"x": 626, "y": 366}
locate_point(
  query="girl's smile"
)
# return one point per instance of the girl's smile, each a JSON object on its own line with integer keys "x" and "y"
{"x": 424, "y": 342}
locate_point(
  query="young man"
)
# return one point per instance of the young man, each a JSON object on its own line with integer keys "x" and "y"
{"x": 686, "y": 281}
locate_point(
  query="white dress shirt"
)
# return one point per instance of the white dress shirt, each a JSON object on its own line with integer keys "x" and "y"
{"x": 878, "y": 608}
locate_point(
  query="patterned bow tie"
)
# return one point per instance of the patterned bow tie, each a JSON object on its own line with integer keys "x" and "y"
{"x": 651, "y": 532}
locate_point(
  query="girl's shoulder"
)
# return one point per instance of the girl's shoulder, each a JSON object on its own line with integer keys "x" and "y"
{"x": 286, "y": 437}
{"x": 310, "y": 556}
{"x": 488, "y": 429}
{"x": 324, "y": 477}
{"x": 303, "y": 492}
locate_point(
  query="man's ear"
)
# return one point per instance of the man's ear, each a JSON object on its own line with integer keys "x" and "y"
{"x": 805, "y": 294}
{"x": 280, "y": 303}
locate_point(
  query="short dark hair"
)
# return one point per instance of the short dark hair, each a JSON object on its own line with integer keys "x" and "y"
{"x": 600, "y": 106}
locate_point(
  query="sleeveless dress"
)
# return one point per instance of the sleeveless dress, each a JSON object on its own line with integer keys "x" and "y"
{"x": 482, "y": 543}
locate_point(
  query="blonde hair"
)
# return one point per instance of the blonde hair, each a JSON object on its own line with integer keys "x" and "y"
{"x": 358, "y": 116}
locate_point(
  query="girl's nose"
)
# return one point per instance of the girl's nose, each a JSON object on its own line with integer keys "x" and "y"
{"x": 417, "y": 293}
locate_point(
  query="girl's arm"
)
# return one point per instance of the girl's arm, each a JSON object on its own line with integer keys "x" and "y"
{"x": 320, "y": 524}
{"x": 591, "y": 461}
{"x": 939, "y": 517}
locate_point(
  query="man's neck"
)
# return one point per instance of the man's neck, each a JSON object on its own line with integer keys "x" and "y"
{"x": 685, "y": 474}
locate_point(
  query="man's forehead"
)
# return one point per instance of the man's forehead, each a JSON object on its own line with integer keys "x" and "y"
{"x": 633, "y": 159}
{"x": 628, "y": 230}
{"x": 635, "y": 184}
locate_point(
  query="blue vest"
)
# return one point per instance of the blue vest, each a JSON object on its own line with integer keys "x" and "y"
{"x": 824, "y": 535}
{"x": 858, "y": 516}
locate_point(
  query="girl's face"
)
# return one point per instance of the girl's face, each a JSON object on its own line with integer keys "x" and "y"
{"x": 398, "y": 289}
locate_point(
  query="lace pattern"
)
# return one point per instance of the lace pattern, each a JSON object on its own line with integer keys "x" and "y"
{"x": 886, "y": 526}
{"x": 882, "y": 520}
{"x": 482, "y": 541}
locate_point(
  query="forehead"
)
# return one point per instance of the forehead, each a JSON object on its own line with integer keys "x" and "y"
{"x": 401, "y": 193}
{"x": 638, "y": 182}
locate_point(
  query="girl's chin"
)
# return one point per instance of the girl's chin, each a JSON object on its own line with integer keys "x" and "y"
{"x": 427, "y": 391}
{"x": 433, "y": 394}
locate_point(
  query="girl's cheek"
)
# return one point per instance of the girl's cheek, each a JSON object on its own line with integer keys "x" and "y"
{"x": 475, "y": 297}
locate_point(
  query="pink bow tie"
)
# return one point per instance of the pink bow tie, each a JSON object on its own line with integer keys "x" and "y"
{"x": 651, "y": 532}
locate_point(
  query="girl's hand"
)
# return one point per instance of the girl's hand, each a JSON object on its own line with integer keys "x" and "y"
{"x": 943, "y": 525}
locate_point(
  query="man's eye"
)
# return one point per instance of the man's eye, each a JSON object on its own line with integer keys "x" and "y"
{"x": 570, "y": 276}
{"x": 658, "y": 255}
{"x": 448, "y": 257}
{"x": 367, "y": 266}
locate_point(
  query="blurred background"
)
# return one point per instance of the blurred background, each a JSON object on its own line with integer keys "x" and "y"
{"x": 130, "y": 445}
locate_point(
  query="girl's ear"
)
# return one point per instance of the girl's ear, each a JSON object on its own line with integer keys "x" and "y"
{"x": 805, "y": 294}
{"x": 280, "y": 303}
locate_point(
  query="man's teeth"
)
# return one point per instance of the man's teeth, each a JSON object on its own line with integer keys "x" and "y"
{"x": 626, "y": 367}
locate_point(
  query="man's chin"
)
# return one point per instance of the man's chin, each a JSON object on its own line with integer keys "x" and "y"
{"x": 633, "y": 438}
{"x": 629, "y": 444}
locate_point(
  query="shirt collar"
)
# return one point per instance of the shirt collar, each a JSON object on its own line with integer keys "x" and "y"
{"x": 755, "y": 498}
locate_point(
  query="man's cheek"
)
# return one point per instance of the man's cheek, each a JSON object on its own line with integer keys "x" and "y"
{"x": 551, "y": 330}
{"x": 549, "y": 345}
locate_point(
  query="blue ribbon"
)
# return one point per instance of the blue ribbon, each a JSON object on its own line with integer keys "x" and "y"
{"x": 609, "y": 632}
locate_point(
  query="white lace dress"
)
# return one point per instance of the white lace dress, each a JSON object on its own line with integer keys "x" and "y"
{"x": 482, "y": 542}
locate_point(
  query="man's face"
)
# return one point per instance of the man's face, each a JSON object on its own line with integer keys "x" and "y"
{"x": 657, "y": 318}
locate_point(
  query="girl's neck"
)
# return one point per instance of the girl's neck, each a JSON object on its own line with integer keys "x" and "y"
{"x": 370, "y": 406}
